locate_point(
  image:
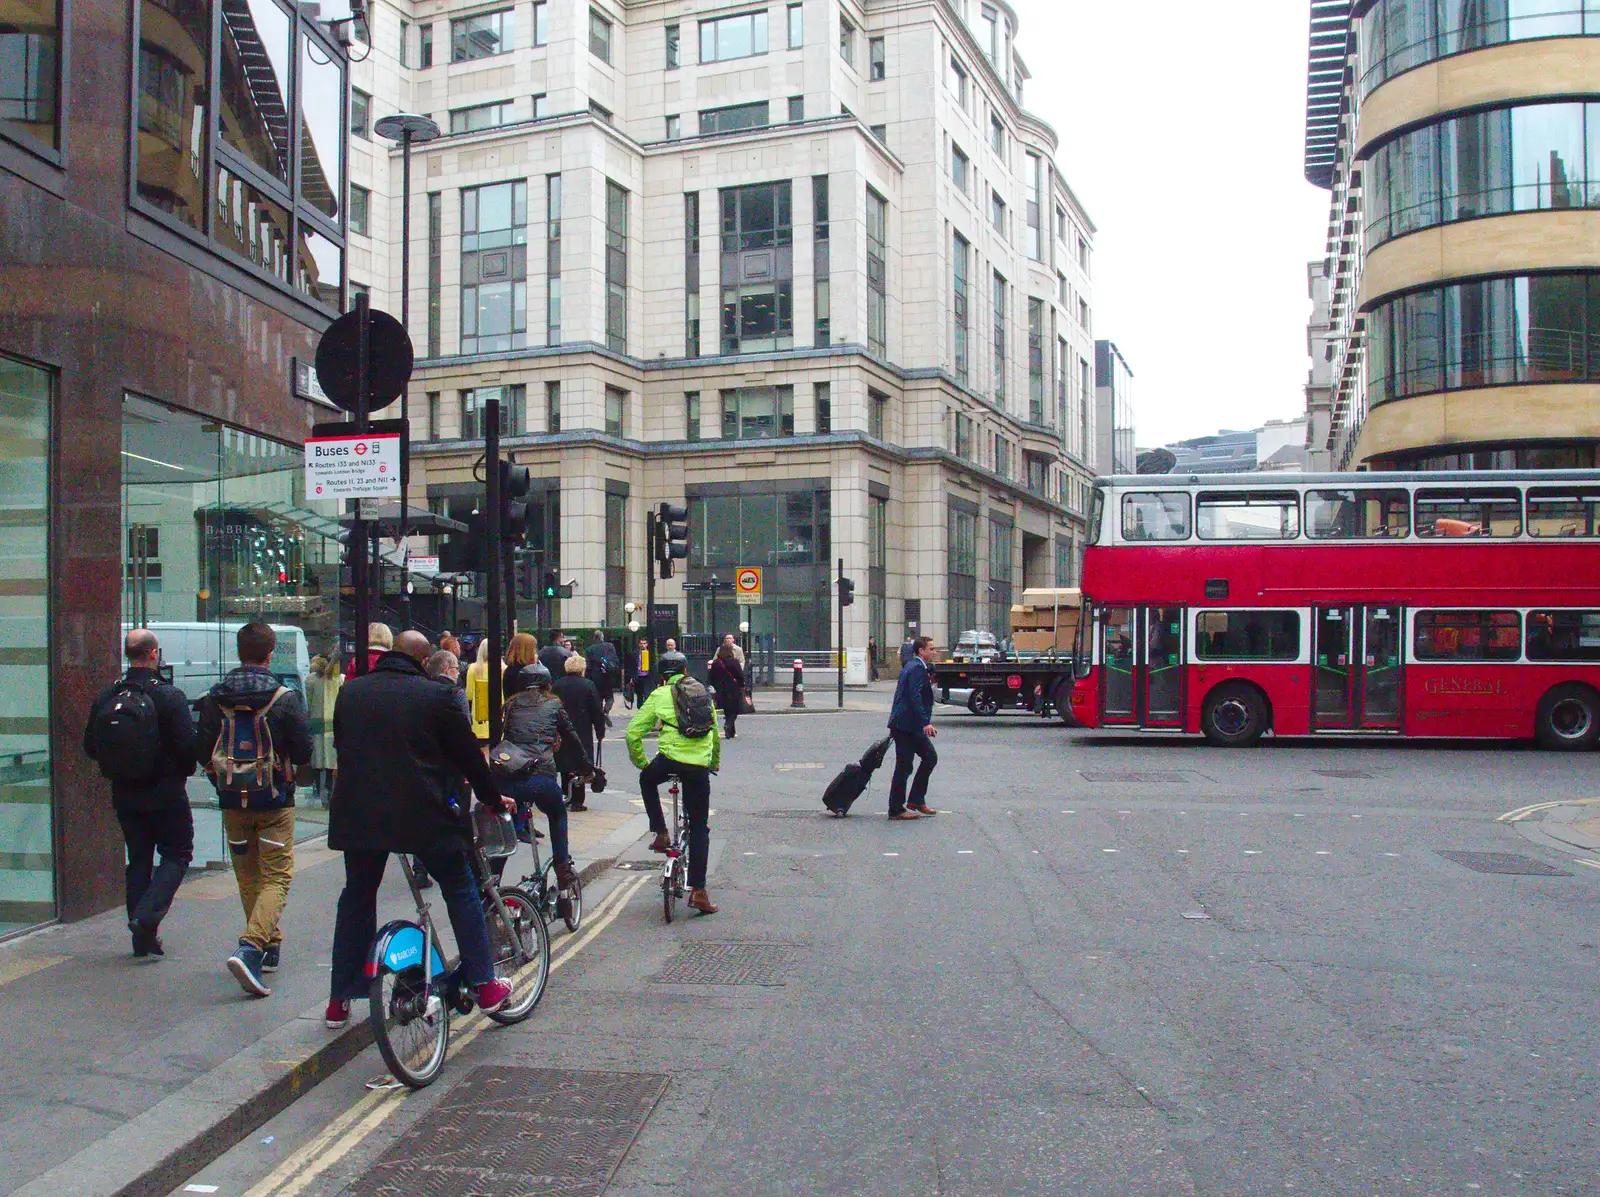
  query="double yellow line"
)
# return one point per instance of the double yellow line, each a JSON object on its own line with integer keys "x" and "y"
{"x": 335, "y": 1141}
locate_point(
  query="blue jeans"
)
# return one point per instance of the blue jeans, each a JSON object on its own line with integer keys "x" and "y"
{"x": 544, "y": 791}
{"x": 356, "y": 923}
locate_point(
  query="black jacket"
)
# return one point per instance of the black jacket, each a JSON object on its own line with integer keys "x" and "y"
{"x": 554, "y": 658}
{"x": 253, "y": 686}
{"x": 727, "y": 679}
{"x": 581, "y": 699}
{"x": 170, "y": 786}
{"x": 541, "y": 725}
{"x": 605, "y": 669}
{"x": 402, "y": 742}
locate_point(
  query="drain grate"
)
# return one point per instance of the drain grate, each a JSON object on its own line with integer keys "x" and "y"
{"x": 509, "y": 1132}
{"x": 1511, "y": 863}
{"x": 729, "y": 964}
{"x": 1346, "y": 774}
{"x": 1171, "y": 779}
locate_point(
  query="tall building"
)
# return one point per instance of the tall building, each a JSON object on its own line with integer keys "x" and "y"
{"x": 808, "y": 267}
{"x": 1458, "y": 140}
{"x": 1113, "y": 402}
{"x": 172, "y": 244}
{"x": 1319, "y": 380}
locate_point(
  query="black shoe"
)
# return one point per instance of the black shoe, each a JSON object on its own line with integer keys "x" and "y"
{"x": 271, "y": 957}
{"x": 146, "y": 943}
{"x": 576, "y": 806}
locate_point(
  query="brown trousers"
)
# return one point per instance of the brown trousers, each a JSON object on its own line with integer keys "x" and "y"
{"x": 261, "y": 845}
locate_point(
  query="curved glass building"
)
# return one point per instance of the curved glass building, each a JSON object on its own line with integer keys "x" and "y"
{"x": 1460, "y": 142}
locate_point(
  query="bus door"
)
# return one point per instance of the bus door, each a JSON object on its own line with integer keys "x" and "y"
{"x": 1141, "y": 653}
{"x": 1356, "y": 671}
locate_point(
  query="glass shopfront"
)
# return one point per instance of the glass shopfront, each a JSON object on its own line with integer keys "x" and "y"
{"x": 216, "y": 531}
{"x": 27, "y": 854}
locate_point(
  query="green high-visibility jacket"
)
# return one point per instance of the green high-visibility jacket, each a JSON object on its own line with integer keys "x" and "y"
{"x": 659, "y": 710}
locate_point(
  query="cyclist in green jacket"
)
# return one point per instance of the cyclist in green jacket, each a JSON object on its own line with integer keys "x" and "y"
{"x": 694, "y": 760}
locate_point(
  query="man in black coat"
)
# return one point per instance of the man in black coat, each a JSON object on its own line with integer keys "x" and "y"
{"x": 402, "y": 741}
{"x": 604, "y": 668}
{"x": 153, "y": 810}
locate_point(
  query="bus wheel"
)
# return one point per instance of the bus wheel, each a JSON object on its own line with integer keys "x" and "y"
{"x": 1235, "y": 715}
{"x": 983, "y": 703}
{"x": 1062, "y": 698}
{"x": 1568, "y": 718}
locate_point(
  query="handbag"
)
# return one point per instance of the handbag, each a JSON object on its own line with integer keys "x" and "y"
{"x": 747, "y": 704}
{"x": 510, "y": 762}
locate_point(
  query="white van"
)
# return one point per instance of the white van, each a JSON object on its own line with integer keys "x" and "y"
{"x": 201, "y": 653}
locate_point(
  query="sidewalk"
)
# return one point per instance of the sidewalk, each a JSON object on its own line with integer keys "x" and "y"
{"x": 822, "y": 699}
{"x": 120, "y": 1077}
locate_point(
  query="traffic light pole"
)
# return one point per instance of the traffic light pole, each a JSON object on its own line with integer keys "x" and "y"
{"x": 509, "y": 564}
{"x": 840, "y": 597}
{"x": 357, "y": 541}
{"x": 492, "y": 559}
{"x": 650, "y": 588}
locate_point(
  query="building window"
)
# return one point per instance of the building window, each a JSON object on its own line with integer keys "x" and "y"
{"x": 961, "y": 254}
{"x": 847, "y": 39}
{"x": 877, "y": 414}
{"x": 616, "y": 267}
{"x": 728, "y": 38}
{"x": 999, "y": 337}
{"x": 425, "y": 46}
{"x": 541, "y": 106}
{"x": 1002, "y": 456}
{"x": 1034, "y": 185}
{"x": 552, "y": 407}
{"x": 1065, "y": 426}
{"x": 964, "y": 436}
{"x": 674, "y": 127}
{"x": 512, "y": 417}
{"x": 1036, "y": 370}
{"x": 822, "y": 401}
{"x": 877, "y": 63}
{"x": 691, "y": 415}
{"x": 600, "y": 110}
{"x": 674, "y": 47}
{"x": 616, "y": 557}
{"x": 961, "y": 557}
{"x": 1397, "y": 35}
{"x": 797, "y": 26}
{"x": 480, "y": 116}
{"x": 481, "y": 36}
{"x": 797, "y": 109}
{"x": 881, "y": 132}
{"x": 960, "y": 168}
{"x": 599, "y": 36}
{"x": 1036, "y": 472}
{"x": 360, "y": 114}
{"x": 541, "y": 23}
{"x": 616, "y": 412}
{"x": 821, "y": 268}
{"x": 958, "y": 82}
{"x": 494, "y": 261}
{"x": 403, "y": 45}
{"x": 1000, "y": 538}
{"x": 691, "y": 274}
{"x": 757, "y": 268}
{"x": 757, "y": 413}
{"x": 989, "y": 35}
{"x": 997, "y": 212}
{"x": 552, "y": 317}
{"x": 360, "y": 210}
{"x": 435, "y": 271}
{"x": 433, "y": 415}
{"x": 734, "y": 117}
{"x": 1083, "y": 313}
{"x": 1083, "y": 255}
{"x": 877, "y": 273}
{"x": 997, "y": 134}
{"x": 30, "y": 84}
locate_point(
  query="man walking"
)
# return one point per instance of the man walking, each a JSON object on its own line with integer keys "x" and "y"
{"x": 911, "y": 725}
{"x": 402, "y": 741}
{"x": 254, "y": 733}
{"x": 604, "y": 668}
{"x": 553, "y": 656}
{"x": 141, "y": 734}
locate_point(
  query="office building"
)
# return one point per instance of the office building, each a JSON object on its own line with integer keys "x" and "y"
{"x": 1113, "y": 402}
{"x": 1319, "y": 379}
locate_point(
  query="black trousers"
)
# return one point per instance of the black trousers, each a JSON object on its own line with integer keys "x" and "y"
{"x": 150, "y": 889}
{"x": 909, "y": 746}
{"x": 730, "y": 713}
{"x": 696, "y": 797}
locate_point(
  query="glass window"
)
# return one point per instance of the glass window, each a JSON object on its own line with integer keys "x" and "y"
{"x": 877, "y": 274}
{"x": 251, "y": 226}
{"x": 1247, "y": 635}
{"x": 541, "y": 106}
{"x": 319, "y": 267}
{"x": 1248, "y": 515}
{"x": 1397, "y": 35}
{"x": 360, "y": 114}
{"x": 756, "y": 413}
{"x": 1469, "y": 512}
{"x": 425, "y": 46}
{"x": 255, "y": 82}
{"x": 616, "y": 411}
{"x": 494, "y": 293}
{"x": 1155, "y": 515}
{"x": 552, "y": 407}
{"x": 797, "y": 109}
{"x": 958, "y": 81}
{"x": 961, "y": 253}
{"x": 172, "y": 102}
{"x": 616, "y": 267}
{"x": 997, "y": 212}
{"x": 960, "y": 167}
{"x": 823, "y": 399}
{"x": 997, "y": 134}
{"x": 758, "y": 287}
{"x": 616, "y": 557}
{"x": 403, "y": 44}
{"x": 480, "y": 116}
{"x": 494, "y": 216}
{"x": 1564, "y": 635}
{"x": 691, "y": 415}
{"x": 513, "y": 413}
{"x": 797, "y": 26}
{"x": 674, "y": 127}
{"x": 30, "y": 83}
{"x": 734, "y": 117}
{"x": 674, "y": 47}
{"x": 738, "y": 36}
{"x": 877, "y": 61}
{"x": 482, "y": 35}
{"x": 847, "y": 39}
{"x": 1468, "y": 636}
{"x": 1357, "y": 514}
{"x": 1564, "y": 511}
{"x": 599, "y": 36}
{"x": 541, "y": 23}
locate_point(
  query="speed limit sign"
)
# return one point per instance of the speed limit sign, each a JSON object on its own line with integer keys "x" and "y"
{"x": 747, "y": 586}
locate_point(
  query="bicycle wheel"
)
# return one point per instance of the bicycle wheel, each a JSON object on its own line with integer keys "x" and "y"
{"x": 669, "y": 888}
{"x": 521, "y": 954}
{"x": 411, "y": 1024}
{"x": 551, "y": 886}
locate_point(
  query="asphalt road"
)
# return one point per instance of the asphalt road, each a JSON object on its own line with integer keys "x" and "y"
{"x": 1113, "y": 965}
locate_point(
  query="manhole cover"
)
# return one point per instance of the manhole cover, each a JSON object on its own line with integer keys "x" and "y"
{"x": 729, "y": 964}
{"x": 639, "y": 866}
{"x": 807, "y": 813}
{"x": 1511, "y": 863}
{"x": 1174, "y": 779}
{"x": 1346, "y": 774}
{"x": 507, "y": 1132}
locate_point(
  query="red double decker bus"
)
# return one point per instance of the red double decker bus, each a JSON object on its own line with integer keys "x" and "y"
{"x": 1385, "y": 604}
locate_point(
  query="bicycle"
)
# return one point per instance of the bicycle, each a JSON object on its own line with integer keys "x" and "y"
{"x": 413, "y": 993}
{"x": 674, "y": 875}
{"x": 543, "y": 889}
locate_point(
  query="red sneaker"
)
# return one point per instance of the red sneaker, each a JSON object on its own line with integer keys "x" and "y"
{"x": 492, "y": 995}
{"x": 337, "y": 1014}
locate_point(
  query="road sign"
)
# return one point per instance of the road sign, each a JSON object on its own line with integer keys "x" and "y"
{"x": 389, "y": 350}
{"x": 423, "y": 565}
{"x": 747, "y": 586}
{"x": 353, "y": 467}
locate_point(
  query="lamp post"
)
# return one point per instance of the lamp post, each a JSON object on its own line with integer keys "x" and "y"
{"x": 408, "y": 128}
{"x": 749, "y": 664}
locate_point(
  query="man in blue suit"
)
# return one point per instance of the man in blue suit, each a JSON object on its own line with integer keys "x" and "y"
{"x": 911, "y": 725}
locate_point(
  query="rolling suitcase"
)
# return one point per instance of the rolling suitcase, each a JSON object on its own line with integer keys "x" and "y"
{"x": 851, "y": 781}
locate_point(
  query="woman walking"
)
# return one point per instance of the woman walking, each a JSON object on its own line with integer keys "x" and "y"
{"x": 322, "y": 691}
{"x": 727, "y": 679}
{"x": 581, "y": 700}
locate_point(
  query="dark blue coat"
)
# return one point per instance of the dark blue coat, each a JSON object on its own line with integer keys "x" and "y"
{"x": 913, "y": 698}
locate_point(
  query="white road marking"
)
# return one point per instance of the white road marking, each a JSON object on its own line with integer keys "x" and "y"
{"x": 1298, "y": 815}
{"x": 1593, "y": 864}
{"x": 1183, "y": 851}
{"x": 891, "y": 854}
{"x": 1124, "y": 812}
{"x": 1069, "y": 812}
{"x": 1355, "y": 816}
{"x": 752, "y": 854}
{"x": 1391, "y": 854}
{"x": 1111, "y": 849}
{"x": 1522, "y": 812}
{"x": 1320, "y": 852}
{"x": 963, "y": 851}
{"x": 1252, "y": 851}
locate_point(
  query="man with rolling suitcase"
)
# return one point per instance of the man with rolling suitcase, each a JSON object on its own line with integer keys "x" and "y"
{"x": 911, "y": 726}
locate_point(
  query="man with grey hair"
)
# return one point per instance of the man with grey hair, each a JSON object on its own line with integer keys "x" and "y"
{"x": 141, "y": 734}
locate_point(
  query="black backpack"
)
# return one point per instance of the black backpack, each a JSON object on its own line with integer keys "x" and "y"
{"x": 691, "y": 702}
{"x": 125, "y": 728}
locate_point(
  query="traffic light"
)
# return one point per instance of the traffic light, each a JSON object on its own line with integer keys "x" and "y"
{"x": 847, "y": 592}
{"x": 671, "y": 537}
{"x": 514, "y": 485}
{"x": 550, "y": 584}
{"x": 527, "y": 572}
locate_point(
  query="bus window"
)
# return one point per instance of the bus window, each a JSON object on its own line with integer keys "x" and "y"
{"x": 1097, "y": 511}
{"x": 1451, "y": 513}
{"x": 1149, "y": 515}
{"x": 1248, "y": 515}
{"x": 1564, "y": 512}
{"x": 1357, "y": 514}
{"x": 1563, "y": 635}
{"x": 1247, "y": 635}
{"x": 1468, "y": 636}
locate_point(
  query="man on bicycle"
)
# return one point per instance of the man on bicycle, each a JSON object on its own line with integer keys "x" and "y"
{"x": 681, "y": 714}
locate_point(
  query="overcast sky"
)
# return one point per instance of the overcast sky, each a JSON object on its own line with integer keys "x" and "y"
{"x": 1182, "y": 131}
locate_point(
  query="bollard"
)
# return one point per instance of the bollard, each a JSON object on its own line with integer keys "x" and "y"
{"x": 797, "y": 696}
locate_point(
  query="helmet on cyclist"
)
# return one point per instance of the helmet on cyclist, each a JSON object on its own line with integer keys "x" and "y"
{"x": 537, "y": 675}
{"x": 673, "y": 663}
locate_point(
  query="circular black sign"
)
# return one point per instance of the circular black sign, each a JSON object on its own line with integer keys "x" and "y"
{"x": 389, "y": 353}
